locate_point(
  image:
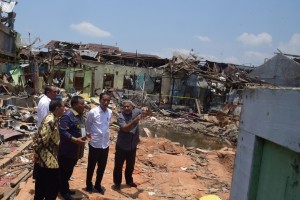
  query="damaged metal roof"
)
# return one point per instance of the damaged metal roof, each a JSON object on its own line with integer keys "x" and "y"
{"x": 8, "y": 133}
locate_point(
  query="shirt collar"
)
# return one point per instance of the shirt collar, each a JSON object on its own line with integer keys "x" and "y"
{"x": 54, "y": 117}
{"x": 101, "y": 110}
{"x": 45, "y": 96}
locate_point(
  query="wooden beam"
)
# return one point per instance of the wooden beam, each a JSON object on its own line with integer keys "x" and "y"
{"x": 9, "y": 158}
{"x": 198, "y": 106}
{"x": 17, "y": 179}
{"x": 148, "y": 132}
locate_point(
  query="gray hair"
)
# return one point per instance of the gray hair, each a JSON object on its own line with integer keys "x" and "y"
{"x": 129, "y": 102}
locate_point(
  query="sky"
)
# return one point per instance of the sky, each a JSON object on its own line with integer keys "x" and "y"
{"x": 235, "y": 31}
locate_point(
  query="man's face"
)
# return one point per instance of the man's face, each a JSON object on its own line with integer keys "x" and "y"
{"x": 60, "y": 110}
{"x": 104, "y": 101}
{"x": 127, "y": 108}
{"x": 52, "y": 93}
{"x": 79, "y": 107}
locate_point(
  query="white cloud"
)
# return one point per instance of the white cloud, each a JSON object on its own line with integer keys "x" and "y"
{"x": 249, "y": 58}
{"x": 232, "y": 60}
{"x": 293, "y": 46}
{"x": 203, "y": 38}
{"x": 255, "y": 40}
{"x": 86, "y": 28}
{"x": 257, "y": 58}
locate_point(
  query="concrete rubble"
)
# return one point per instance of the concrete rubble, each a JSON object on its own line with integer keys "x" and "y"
{"x": 164, "y": 169}
{"x": 195, "y": 103}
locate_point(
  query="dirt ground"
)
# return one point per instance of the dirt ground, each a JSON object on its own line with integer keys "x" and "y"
{"x": 163, "y": 171}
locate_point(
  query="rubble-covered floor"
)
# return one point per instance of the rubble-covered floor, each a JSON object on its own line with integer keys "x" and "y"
{"x": 163, "y": 171}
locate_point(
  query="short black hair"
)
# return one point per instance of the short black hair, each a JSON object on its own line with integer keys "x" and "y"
{"x": 54, "y": 104}
{"x": 75, "y": 100}
{"x": 102, "y": 94}
{"x": 48, "y": 88}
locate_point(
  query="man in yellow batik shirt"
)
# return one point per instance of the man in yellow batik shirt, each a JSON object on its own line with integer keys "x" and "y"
{"x": 45, "y": 153}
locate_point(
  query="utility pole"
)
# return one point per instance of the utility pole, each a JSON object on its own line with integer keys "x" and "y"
{"x": 35, "y": 66}
{"x": 143, "y": 89}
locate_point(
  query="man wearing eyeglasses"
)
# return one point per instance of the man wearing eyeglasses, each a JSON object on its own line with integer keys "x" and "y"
{"x": 43, "y": 106}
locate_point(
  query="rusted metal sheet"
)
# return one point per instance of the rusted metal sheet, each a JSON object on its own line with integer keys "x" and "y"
{"x": 7, "y": 41}
{"x": 8, "y": 133}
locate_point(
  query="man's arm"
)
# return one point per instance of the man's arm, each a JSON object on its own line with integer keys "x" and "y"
{"x": 127, "y": 127}
{"x": 64, "y": 127}
{"x": 44, "y": 110}
{"x": 64, "y": 131}
{"x": 43, "y": 135}
{"x": 89, "y": 121}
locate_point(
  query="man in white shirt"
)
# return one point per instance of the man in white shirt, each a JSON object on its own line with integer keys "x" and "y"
{"x": 43, "y": 106}
{"x": 97, "y": 127}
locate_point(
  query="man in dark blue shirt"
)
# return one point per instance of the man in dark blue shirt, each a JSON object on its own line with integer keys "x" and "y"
{"x": 72, "y": 141}
{"x": 127, "y": 141}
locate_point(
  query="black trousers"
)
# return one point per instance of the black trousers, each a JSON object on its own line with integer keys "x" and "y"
{"x": 46, "y": 183}
{"x": 120, "y": 157}
{"x": 96, "y": 156}
{"x": 66, "y": 167}
{"x": 34, "y": 171}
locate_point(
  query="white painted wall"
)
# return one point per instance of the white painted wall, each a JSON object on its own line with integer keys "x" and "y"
{"x": 269, "y": 113}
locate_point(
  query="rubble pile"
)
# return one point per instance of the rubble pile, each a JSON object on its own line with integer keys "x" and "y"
{"x": 220, "y": 125}
{"x": 163, "y": 167}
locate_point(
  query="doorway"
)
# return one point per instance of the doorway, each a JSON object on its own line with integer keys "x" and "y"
{"x": 108, "y": 81}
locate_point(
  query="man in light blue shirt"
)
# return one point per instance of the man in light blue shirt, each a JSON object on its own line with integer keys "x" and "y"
{"x": 97, "y": 127}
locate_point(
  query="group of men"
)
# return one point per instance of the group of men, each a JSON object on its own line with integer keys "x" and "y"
{"x": 62, "y": 135}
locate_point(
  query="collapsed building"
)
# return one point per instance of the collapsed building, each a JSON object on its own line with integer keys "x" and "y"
{"x": 92, "y": 68}
{"x": 7, "y": 32}
{"x": 185, "y": 83}
{"x": 281, "y": 70}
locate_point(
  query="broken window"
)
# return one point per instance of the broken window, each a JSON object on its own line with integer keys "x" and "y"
{"x": 157, "y": 85}
{"x": 59, "y": 77}
{"x": 129, "y": 82}
{"x": 79, "y": 81}
{"x": 108, "y": 81}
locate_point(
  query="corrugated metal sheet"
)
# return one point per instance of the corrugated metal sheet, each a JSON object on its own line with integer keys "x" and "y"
{"x": 7, "y": 6}
{"x": 8, "y": 133}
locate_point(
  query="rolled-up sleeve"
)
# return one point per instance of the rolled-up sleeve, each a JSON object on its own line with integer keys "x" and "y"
{"x": 121, "y": 121}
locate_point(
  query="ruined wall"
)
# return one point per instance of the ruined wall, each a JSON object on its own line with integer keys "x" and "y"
{"x": 268, "y": 151}
{"x": 279, "y": 70}
{"x": 119, "y": 71}
{"x": 166, "y": 85}
{"x": 7, "y": 41}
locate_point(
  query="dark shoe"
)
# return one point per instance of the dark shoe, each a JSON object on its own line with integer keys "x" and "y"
{"x": 67, "y": 196}
{"x": 71, "y": 192}
{"x": 131, "y": 184}
{"x": 100, "y": 189}
{"x": 89, "y": 189}
{"x": 117, "y": 187}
